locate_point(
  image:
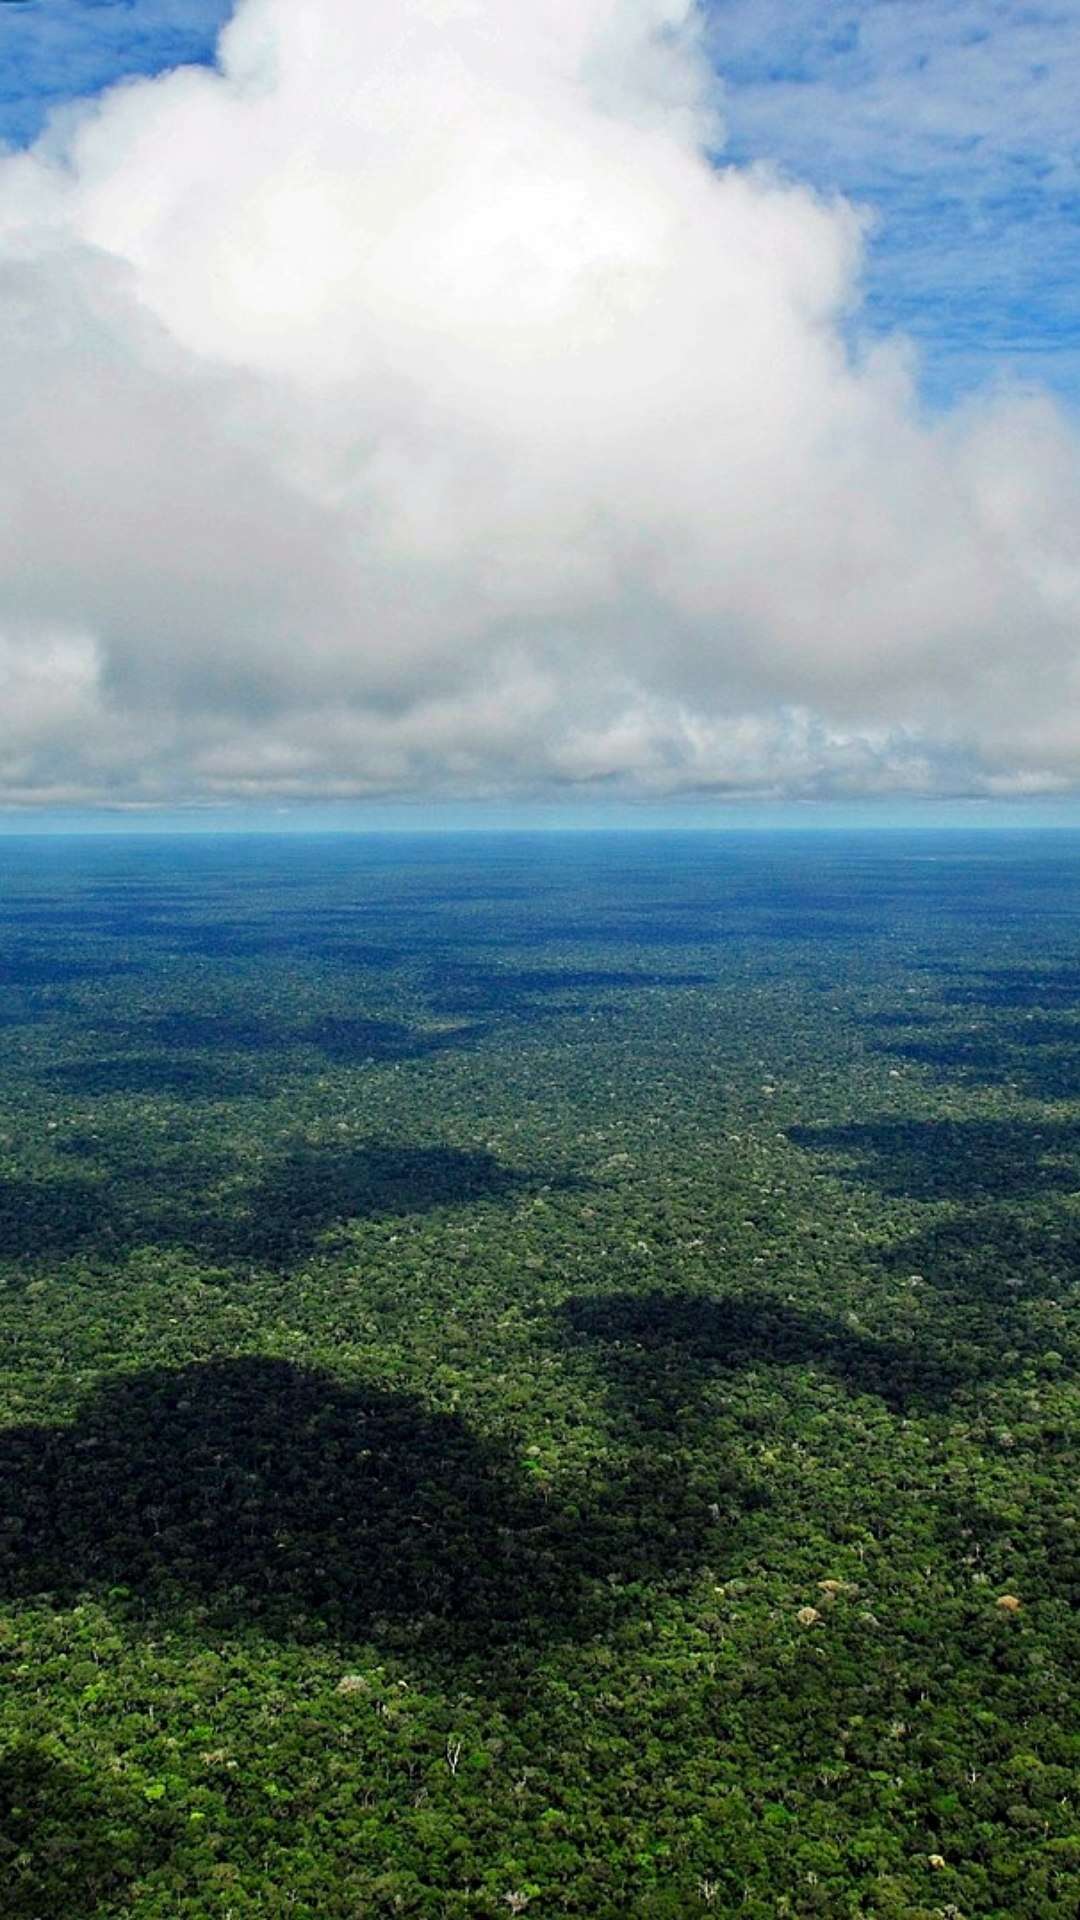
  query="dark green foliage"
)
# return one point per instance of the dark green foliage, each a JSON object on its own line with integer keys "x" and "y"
{"x": 66, "y": 1847}
{"x": 529, "y": 1369}
{"x": 273, "y": 1493}
{"x": 682, "y": 1337}
{"x": 968, "y": 1159}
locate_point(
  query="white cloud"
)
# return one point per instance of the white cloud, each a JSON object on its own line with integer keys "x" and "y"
{"x": 409, "y": 406}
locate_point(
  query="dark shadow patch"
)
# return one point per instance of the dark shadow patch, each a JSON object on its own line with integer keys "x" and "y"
{"x": 39, "y": 1218}
{"x": 976, "y": 1054}
{"x": 278, "y": 1496}
{"x": 29, "y": 1012}
{"x": 213, "y": 1031}
{"x": 153, "y": 896}
{"x": 902, "y": 1019}
{"x": 316, "y": 1189}
{"x": 1036, "y": 1030}
{"x": 812, "y": 928}
{"x": 535, "y": 994}
{"x": 55, "y": 918}
{"x": 967, "y": 1160}
{"x": 238, "y": 940}
{"x": 363, "y": 953}
{"x": 540, "y": 980}
{"x": 184, "y": 1030}
{"x": 173, "y": 1198}
{"x": 167, "y": 1078}
{"x": 528, "y": 935}
{"x": 1050, "y": 987}
{"x": 638, "y": 932}
{"x": 658, "y": 1349}
{"x": 138, "y": 926}
{"x": 989, "y": 1257}
{"x": 1038, "y": 1053}
{"x": 69, "y": 1848}
{"x": 357, "y": 1042}
{"x": 481, "y": 894}
{"x": 56, "y": 970}
{"x": 347, "y": 1040}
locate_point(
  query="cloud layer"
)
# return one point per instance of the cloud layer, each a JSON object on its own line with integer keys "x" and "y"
{"x": 410, "y": 406}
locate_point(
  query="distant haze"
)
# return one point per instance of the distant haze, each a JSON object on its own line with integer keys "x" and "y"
{"x": 416, "y": 404}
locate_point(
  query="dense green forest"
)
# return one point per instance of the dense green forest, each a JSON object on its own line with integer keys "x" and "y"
{"x": 538, "y": 1375}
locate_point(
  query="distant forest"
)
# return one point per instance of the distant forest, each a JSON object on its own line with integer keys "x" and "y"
{"x": 539, "y": 1376}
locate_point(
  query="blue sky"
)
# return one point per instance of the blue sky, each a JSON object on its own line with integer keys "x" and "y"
{"x": 955, "y": 123}
{"x": 54, "y": 50}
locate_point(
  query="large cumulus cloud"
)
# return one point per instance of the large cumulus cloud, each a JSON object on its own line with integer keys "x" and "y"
{"x": 413, "y": 404}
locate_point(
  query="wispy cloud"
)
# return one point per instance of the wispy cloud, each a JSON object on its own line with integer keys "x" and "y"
{"x": 956, "y": 122}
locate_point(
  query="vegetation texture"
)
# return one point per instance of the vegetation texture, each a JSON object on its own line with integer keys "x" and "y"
{"x": 539, "y": 1376}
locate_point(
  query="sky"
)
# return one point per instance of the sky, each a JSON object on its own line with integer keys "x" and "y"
{"x": 555, "y": 409}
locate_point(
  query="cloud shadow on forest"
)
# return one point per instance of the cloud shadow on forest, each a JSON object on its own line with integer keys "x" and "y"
{"x": 992, "y": 1259}
{"x": 1028, "y": 987}
{"x": 64, "y": 1837}
{"x": 313, "y": 1189}
{"x": 530, "y": 994}
{"x": 275, "y": 1495}
{"x": 263, "y": 1050}
{"x": 181, "y": 1027}
{"x": 274, "y": 1221}
{"x": 902, "y": 1018}
{"x": 58, "y": 919}
{"x": 366, "y": 954}
{"x": 1040, "y": 1056}
{"x": 165, "y": 1076}
{"x": 58, "y": 969}
{"x": 349, "y": 1041}
{"x": 660, "y": 1349}
{"x": 229, "y": 940}
{"x": 42, "y": 1219}
{"x": 965, "y": 1160}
